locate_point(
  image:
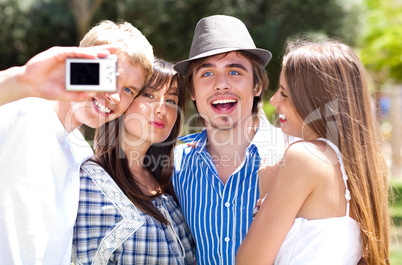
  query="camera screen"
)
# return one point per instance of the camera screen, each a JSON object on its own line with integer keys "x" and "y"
{"x": 84, "y": 74}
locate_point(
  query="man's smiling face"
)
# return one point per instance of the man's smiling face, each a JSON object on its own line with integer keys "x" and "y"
{"x": 223, "y": 90}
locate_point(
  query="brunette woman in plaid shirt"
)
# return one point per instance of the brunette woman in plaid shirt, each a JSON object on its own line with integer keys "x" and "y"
{"x": 127, "y": 211}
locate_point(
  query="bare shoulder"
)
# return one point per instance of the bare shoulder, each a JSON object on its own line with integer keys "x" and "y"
{"x": 311, "y": 158}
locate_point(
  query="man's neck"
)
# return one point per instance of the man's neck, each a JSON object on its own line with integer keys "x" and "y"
{"x": 227, "y": 148}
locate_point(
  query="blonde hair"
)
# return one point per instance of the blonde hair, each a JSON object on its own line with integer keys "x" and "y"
{"x": 328, "y": 86}
{"x": 128, "y": 39}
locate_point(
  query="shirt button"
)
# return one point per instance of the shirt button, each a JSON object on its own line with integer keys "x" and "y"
{"x": 227, "y": 204}
{"x": 227, "y": 239}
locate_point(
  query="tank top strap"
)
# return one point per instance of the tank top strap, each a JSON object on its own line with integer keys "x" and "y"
{"x": 344, "y": 176}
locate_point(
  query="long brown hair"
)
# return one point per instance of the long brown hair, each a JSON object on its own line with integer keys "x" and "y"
{"x": 329, "y": 89}
{"x": 159, "y": 158}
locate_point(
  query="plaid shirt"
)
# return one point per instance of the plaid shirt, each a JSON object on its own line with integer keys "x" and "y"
{"x": 110, "y": 229}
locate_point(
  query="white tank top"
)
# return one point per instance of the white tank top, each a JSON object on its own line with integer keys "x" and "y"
{"x": 330, "y": 241}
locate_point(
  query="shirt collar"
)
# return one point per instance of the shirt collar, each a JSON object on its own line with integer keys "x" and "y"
{"x": 268, "y": 140}
{"x": 196, "y": 140}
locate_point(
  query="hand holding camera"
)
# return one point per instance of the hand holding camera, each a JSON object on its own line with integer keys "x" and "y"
{"x": 44, "y": 74}
{"x": 91, "y": 74}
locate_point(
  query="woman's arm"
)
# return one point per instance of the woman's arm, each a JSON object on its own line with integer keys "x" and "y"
{"x": 291, "y": 187}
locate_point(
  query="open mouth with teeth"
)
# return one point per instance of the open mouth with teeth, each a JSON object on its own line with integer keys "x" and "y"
{"x": 224, "y": 104}
{"x": 102, "y": 108}
{"x": 282, "y": 118}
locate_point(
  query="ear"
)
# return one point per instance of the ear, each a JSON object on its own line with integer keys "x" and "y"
{"x": 192, "y": 95}
{"x": 257, "y": 90}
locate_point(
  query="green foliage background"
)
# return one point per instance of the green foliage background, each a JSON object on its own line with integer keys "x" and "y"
{"x": 30, "y": 26}
{"x": 382, "y": 39}
{"x": 373, "y": 27}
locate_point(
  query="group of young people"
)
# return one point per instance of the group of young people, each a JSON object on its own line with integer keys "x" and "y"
{"x": 319, "y": 197}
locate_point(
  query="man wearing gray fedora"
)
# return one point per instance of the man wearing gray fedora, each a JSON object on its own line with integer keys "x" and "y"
{"x": 216, "y": 170}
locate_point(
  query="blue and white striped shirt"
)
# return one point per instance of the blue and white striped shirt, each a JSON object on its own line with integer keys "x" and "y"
{"x": 219, "y": 215}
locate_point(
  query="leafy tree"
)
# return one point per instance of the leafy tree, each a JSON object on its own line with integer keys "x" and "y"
{"x": 381, "y": 45}
{"x": 10, "y": 44}
{"x": 31, "y": 26}
{"x": 50, "y": 24}
{"x": 169, "y": 24}
{"x": 381, "y": 51}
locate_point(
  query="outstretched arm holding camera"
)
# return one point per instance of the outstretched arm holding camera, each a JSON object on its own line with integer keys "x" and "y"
{"x": 44, "y": 75}
{"x": 41, "y": 150}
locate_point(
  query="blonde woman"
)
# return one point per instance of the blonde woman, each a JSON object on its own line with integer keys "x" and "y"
{"x": 328, "y": 201}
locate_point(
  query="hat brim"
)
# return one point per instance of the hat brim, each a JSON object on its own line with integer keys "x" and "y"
{"x": 182, "y": 66}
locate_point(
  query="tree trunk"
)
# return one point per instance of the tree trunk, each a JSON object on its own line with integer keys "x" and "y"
{"x": 83, "y": 11}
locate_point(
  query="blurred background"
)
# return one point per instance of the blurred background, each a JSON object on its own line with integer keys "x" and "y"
{"x": 372, "y": 27}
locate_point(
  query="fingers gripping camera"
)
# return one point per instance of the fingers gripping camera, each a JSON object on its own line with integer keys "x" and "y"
{"x": 91, "y": 74}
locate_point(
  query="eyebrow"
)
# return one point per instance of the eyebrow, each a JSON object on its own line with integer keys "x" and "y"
{"x": 232, "y": 65}
{"x": 173, "y": 94}
{"x": 237, "y": 65}
{"x": 204, "y": 65}
{"x": 134, "y": 88}
{"x": 282, "y": 87}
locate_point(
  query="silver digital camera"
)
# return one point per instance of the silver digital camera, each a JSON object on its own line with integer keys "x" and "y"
{"x": 91, "y": 74}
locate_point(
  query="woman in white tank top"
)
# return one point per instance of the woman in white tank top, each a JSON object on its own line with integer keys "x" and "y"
{"x": 327, "y": 201}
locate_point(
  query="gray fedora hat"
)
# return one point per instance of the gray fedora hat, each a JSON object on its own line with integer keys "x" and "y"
{"x": 219, "y": 34}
